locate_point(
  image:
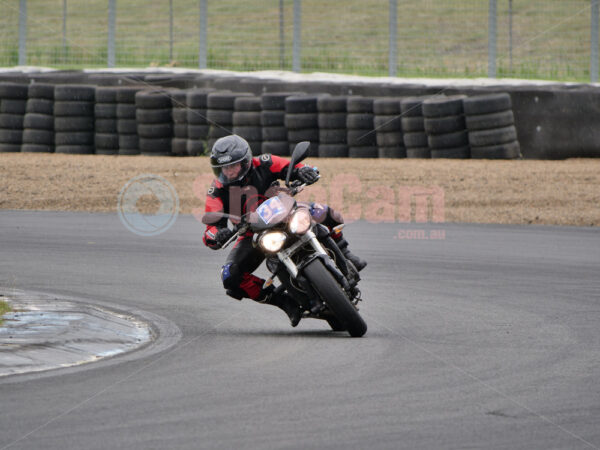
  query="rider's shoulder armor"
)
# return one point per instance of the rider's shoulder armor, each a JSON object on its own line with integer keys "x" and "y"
{"x": 216, "y": 190}
{"x": 264, "y": 161}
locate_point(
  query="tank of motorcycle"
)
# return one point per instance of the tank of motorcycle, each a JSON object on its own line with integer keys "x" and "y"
{"x": 272, "y": 212}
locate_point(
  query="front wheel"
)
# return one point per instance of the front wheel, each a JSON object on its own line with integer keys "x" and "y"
{"x": 335, "y": 324}
{"x": 334, "y": 297}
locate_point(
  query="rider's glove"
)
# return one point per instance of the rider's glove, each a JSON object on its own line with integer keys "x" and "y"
{"x": 222, "y": 236}
{"x": 308, "y": 175}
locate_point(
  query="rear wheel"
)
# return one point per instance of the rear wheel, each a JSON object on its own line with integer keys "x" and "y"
{"x": 335, "y": 298}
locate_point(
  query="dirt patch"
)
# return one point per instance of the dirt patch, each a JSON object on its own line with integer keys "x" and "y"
{"x": 511, "y": 192}
{"x": 148, "y": 204}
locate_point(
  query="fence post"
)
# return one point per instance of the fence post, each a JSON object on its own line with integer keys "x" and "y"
{"x": 22, "y": 32}
{"x": 203, "y": 46}
{"x": 111, "y": 32}
{"x": 297, "y": 45}
{"x": 281, "y": 37}
{"x": 392, "y": 59}
{"x": 170, "y": 30}
{"x": 594, "y": 44}
{"x": 510, "y": 36}
{"x": 493, "y": 12}
{"x": 64, "y": 31}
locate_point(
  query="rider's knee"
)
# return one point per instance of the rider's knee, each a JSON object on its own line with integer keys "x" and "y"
{"x": 335, "y": 216}
{"x": 326, "y": 215}
{"x": 231, "y": 276}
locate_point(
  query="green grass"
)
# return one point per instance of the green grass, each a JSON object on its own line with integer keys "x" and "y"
{"x": 4, "y": 308}
{"x": 435, "y": 37}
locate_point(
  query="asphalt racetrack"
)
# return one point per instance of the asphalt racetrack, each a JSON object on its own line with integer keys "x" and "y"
{"x": 485, "y": 337}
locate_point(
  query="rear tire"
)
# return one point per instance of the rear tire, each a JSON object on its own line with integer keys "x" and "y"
{"x": 335, "y": 298}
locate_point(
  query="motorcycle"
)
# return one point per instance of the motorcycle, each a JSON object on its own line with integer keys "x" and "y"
{"x": 301, "y": 254}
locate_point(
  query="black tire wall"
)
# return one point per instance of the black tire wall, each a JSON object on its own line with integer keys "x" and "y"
{"x": 553, "y": 121}
{"x": 13, "y": 104}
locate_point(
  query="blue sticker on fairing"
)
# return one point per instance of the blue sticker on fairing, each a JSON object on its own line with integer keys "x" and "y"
{"x": 270, "y": 209}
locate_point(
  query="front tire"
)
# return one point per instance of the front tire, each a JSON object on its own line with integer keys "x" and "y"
{"x": 335, "y": 298}
{"x": 335, "y": 324}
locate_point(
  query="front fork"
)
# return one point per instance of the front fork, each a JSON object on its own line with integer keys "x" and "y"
{"x": 285, "y": 257}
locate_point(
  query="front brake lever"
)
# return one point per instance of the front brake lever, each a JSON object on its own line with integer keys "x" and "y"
{"x": 296, "y": 187}
{"x": 240, "y": 229}
{"x": 231, "y": 239}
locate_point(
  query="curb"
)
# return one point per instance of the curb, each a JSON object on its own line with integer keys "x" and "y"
{"x": 47, "y": 332}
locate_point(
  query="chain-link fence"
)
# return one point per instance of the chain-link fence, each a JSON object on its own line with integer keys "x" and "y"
{"x": 547, "y": 39}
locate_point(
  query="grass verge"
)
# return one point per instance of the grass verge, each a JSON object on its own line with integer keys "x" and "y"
{"x": 4, "y": 308}
{"x": 535, "y": 39}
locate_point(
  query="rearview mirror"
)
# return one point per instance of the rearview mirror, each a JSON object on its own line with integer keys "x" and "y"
{"x": 299, "y": 154}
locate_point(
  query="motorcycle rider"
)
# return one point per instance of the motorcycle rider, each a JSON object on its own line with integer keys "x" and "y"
{"x": 241, "y": 183}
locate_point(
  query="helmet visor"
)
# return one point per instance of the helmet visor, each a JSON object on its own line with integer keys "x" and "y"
{"x": 232, "y": 172}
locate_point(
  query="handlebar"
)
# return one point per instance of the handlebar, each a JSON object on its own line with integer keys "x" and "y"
{"x": 240, "y": 228}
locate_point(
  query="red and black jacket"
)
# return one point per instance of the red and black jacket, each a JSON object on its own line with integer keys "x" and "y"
{"x": 238, "y": 199}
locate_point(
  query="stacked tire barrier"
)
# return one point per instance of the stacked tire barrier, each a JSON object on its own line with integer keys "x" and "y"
{"x": 491, "y": 126}
{"x": 413, "y": 127}
{"x": 81, "y": 118}
{"x": 360, "y": 126}
{"x": 246, "y": 121}
{"x": 220, "y": 114}
{"x": 553, "y": 121}
{"x": 333, "y": 139}
{"x": 126, "y": 121}
{"x": 38, "y": 123}
{"x": 13, "y": 103}
{"x": 74, "y": 118}
{"x": 272, "y": 120}
{"x": 302, "y": 122}
{"x": 388, "y": 128}
{"x": 179, "y": 117}
{"x": 106, "y": 136}
{"x": 445, "y": 126}
{"x": 154, "y": 122}
{"x": 197, "y": 123}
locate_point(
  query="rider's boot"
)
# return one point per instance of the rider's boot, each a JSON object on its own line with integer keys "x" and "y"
{"x": 285, "y": 302}
{"x": 358, "y": 262}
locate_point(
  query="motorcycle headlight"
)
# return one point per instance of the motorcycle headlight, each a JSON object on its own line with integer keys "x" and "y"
{"x": 300, "y": 221}
{"x": 272, "y": 241}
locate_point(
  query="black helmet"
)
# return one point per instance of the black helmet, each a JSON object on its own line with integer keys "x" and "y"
{"x": 228, "y": 151}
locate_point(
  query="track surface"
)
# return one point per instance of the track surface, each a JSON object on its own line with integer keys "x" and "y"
{"x": 486, "y": 339}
